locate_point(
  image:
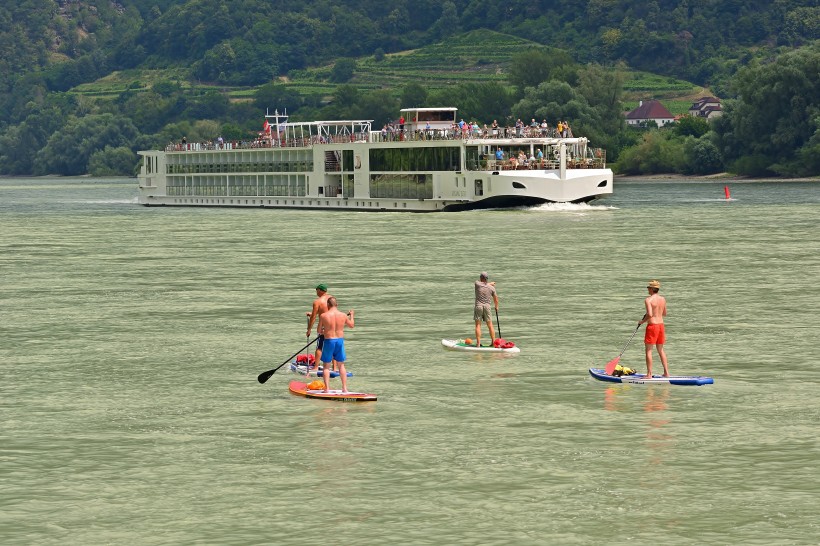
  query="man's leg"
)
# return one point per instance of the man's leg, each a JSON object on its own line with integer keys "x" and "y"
{"x": 342, "y": 374}
{"x": 478, "y": 333}
{"x": 318, "y": 353}
{"x": 326, "y": 376}
{"x": 648, "y": 347}
{"x": 662, "y": 354}
{"x": 492, "y": 330}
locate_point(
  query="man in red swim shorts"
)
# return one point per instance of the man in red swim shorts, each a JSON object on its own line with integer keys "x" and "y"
{"x": 655, "y": 334}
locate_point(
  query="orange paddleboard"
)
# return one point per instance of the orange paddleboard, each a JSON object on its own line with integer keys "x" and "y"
{"x": 300, "y": 388}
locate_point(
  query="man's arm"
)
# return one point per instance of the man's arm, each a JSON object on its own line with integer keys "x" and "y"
{"x": 312, "y": 316}
{"x": 349, "y": 322}
{"x": 648, "y": 314}
{"x": 321, "y": 327}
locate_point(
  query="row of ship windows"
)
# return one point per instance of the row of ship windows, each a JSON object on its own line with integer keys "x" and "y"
{"x": 381, "y": 159}
{"x": 203, "y": 168}
{"x": 284, "y": 202}
{"x": 388, "y": 186}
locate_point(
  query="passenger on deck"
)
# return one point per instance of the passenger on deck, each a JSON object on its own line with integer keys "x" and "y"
{"x": 495, "y": 128}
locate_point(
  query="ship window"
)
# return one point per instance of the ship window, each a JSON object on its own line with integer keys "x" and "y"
{"x": 401, "y": 186}
{"x": 519, "y": 185}
{"x": 439, "y": 158}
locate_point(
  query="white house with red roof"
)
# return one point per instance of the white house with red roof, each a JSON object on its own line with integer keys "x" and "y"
{"x": 650, "y": 110}
{"x": 706, "y": 107}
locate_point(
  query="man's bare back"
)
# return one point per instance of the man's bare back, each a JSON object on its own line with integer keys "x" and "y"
{"x": 655, "y": 309}
{"x": 332, "y": 323}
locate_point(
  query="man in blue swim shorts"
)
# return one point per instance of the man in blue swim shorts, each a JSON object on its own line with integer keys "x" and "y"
{"x": 319, "y": 307}
{"x": 332, "y": 326}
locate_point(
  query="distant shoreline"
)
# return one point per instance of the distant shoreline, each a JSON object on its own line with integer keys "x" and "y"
{"x": 720, "y": 177}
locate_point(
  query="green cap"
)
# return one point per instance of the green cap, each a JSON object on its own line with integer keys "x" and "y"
{"x": 322, "y": 287}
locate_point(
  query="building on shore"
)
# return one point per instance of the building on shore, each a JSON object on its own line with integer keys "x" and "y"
{"x": 650, "y": 110}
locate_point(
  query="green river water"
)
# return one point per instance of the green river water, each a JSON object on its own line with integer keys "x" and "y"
{"x": 131, "y": 339}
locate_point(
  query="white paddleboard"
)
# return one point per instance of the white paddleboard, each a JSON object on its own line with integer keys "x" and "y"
{"x": 459, "y": 345}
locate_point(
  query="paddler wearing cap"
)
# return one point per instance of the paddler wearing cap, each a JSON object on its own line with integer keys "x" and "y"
{"x": 655, "y": 333}
{"x": 319, "y": 307}
{"x": 485, "y": 295}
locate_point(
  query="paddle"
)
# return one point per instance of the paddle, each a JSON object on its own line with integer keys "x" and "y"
{"x": 307, "y": 353}
{"x": 264, "y": 376}
{"x": 498, "y": 322}
{"x": 610, "y": 366}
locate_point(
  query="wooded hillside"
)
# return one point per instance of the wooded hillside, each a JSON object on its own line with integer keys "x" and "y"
{"x": 142, "y": 72}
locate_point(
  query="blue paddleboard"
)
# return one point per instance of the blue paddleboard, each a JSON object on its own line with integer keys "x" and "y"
{"x": 601, "y": 375}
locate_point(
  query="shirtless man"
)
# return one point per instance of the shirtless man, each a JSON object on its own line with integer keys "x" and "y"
{"x": 332, "y": 325}
{"x": 319, "y": 307}
{"x": 655, "y": 335}
{"x": 485, "y": 295}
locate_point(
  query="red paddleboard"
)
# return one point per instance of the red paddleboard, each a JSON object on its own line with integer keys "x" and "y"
{"x": 297, "y": 387}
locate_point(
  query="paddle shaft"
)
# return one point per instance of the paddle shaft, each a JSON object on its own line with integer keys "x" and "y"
{"x": 630, "y": 341}
{"x": 307, "y": 338}
{"x": 498, "y": 322}
{"x": 610, "y": 366}
{"x": 264, "y": 376}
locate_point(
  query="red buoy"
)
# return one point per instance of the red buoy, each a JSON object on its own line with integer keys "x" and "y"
{"x": 726, "y": 191}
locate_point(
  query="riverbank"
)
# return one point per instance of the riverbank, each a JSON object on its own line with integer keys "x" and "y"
{"x": 719, "y": 177}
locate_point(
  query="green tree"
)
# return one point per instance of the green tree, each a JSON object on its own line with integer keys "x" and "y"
{"x": 657, "y": 152}
{"x": 381, "y": 106}
{"x": 536, "y": 65}
{"x": 343, "y": 70}
{"x": 414, "y": 95}
{"x": 274, "y": 96}
{"x": 109, "y": 161}
{"x": 481, "y": 102}
{"x": 691, "y": 126}
{"x": 69, "y": 149}
{"x": 702, "y": 156}
{"x": 774, "y": 116}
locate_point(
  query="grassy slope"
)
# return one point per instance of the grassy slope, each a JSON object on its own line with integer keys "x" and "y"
{"x": 474, "y": 57}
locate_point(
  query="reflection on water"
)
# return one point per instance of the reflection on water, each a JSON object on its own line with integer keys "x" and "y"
{"x": 659, "y": 440}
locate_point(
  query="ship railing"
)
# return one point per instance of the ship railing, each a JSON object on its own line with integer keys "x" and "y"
{"x": 538, "y": 164}
{"x": 375, "y": 136}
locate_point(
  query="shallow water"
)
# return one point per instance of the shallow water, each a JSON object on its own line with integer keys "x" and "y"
{"x": 132, "y": 338}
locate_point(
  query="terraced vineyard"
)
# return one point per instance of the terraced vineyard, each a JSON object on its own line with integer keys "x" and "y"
{"x": 474, "y": 57}
{"x": 478, "y": 56}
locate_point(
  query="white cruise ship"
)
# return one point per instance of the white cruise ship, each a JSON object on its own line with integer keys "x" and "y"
{"x": 431, "y": 162}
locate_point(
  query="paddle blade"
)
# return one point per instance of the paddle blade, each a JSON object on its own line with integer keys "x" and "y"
{"x": 263, "y": 377}
{"x": 610, "y": 366}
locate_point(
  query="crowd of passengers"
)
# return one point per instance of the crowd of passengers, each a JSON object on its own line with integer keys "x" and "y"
{"x": 396, "y": 131}
{"x": 471, "y": 129}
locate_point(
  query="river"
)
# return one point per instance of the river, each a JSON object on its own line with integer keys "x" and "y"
{"x": 132, "y": 338}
